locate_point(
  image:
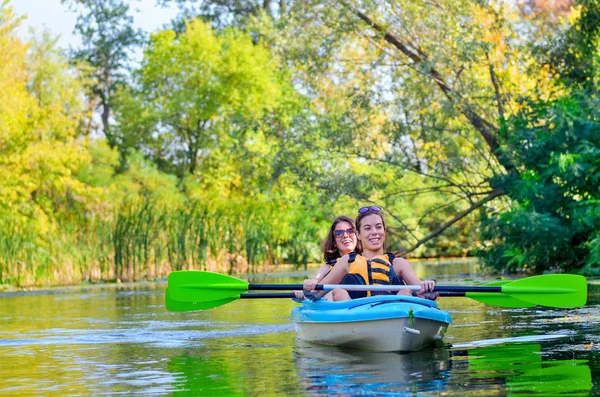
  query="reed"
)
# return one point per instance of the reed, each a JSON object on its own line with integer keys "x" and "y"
{"x": 144, "y": 238}
{"x": 20, "y": 252}
{"x": 138, "y": 239}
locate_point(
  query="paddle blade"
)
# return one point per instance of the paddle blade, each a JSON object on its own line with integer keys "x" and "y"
{"x": 197, "y": 286}
{"x": 552, "y": 290}
{"x": 176, "y": 306}
{"x": 495, "y": 299}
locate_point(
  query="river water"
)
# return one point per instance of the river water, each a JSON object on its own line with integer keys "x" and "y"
{"x": 114, "y": 340}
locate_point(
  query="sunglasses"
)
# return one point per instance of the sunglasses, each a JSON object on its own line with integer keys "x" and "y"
{"x": 341, "y": 233}
{"x": 373, "y": 208}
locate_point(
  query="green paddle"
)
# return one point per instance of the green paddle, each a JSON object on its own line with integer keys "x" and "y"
{"x": 496, "y": 299}
{"x": 491, "y": 299}
{"x": 176, "y": 306}
{"x": 207, "y": 289}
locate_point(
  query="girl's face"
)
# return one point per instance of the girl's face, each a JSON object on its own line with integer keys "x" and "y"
{"x": 372, "y": 232}
{"x": 345, "y": 237}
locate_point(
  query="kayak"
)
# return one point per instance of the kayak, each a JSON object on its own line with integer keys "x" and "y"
{"x": 377, "y": 323}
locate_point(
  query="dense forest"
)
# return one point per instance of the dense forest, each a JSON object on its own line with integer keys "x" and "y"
{"x": 230, "y": 139}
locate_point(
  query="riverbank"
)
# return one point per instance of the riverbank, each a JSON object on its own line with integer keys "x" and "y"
{"x": 282, "y": 271}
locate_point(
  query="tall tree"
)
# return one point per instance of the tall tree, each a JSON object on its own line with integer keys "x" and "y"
{"x": 555, "y": 145}
{"x": 40, "y": 108}
{"x": 439, "y": 81}
{"x": 108, "y": 41}
{"x": 198, "y": 93}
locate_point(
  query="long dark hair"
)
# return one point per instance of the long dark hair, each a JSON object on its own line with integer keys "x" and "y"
{"x": 330, "y": 249}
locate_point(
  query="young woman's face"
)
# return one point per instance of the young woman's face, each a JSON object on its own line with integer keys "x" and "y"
{"x": 345, "y": 237}
{"x": 372, "y": 232}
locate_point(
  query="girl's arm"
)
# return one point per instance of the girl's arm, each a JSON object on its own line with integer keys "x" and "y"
{"x": 335, "y": 276}
{"x": 322, "y": 272}
{"x": 405, "y": 270}
{"x": 309, "y": 284}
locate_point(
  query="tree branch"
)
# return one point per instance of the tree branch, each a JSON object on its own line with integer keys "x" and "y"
{"x": 496, "y": 85}
{"x": 487, "y": 130}
{"x": 495, "y": 193}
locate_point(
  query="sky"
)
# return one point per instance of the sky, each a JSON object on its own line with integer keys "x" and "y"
{"x": 57, "y": 18}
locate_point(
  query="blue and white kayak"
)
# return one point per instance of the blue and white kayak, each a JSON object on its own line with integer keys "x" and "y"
{"x": 378, "y": 323}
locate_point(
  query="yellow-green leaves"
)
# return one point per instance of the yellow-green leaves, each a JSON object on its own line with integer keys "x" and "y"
{"x": 199, "y": 92}
{"x": 40, "y": 104}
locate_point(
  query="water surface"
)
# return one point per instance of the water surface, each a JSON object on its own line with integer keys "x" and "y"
{"x": 121, "y": 340}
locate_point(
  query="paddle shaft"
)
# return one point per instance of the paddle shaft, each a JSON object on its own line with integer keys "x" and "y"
{"x": 267, "y": 295}
{"x": 328, "y": 287}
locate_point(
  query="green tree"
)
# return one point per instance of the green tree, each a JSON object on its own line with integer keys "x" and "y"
{"x": 40, "y": 110}
{"x": 435, "y": 97}
{"x": 428, "y": 96}
{"x": 39, "y": 114}
{"x": 552, "y": 219}
{"x": 108, "y": 41}
{"x": 201, "y": 97}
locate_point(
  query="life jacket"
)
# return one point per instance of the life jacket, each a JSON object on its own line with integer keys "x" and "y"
{"x": 331, "y": 262}
{"x": 376, "y": 271}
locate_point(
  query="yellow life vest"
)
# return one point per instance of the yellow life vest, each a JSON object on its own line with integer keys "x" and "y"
{"x": 376, "y": 271}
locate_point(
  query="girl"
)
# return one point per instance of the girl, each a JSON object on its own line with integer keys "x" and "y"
{"x": 372, "y": 266}
{"x": 341, "y": 240}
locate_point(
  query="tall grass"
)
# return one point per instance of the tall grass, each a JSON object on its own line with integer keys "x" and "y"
{"x": 143, "y": 239}
{"x": 190, "y": 232}
{"x": 24, "y": 254}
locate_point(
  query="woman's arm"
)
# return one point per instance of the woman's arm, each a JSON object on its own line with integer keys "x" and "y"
{"x": 310, "y": 283}
{"x": 322, "y": 272}
{"x": 406, "y": 271}
{"x": 335, "y": 276}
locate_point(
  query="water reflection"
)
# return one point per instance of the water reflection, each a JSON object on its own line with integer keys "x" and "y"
{"x": 191, "y": 376}
{"x": 523, "y": 372}
{"x": 334, "y": 371}
{"x": 509, "y": 369}
{"x": 121, "y": 340}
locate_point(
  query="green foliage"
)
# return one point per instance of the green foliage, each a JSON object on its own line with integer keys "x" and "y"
{"x": 552, "y": 218}
{"x": 40, "y": 106}
{"x": 108, "y": 39}
{"x": 198, "y": 93}
{"x": 574, "y": 53}
{"x": 69, "y": 210}
{"x": 243, "y": 133}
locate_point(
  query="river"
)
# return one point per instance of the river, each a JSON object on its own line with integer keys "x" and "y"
{"x": 120, "y": 339}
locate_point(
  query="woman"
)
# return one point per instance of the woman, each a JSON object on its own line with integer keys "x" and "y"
{"x": 341, "y": 240}
{"x": 372, "y": 266}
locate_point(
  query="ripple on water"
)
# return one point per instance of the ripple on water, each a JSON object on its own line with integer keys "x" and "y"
{"x": 497, "y": 341}
{"x": 156, "y": 336}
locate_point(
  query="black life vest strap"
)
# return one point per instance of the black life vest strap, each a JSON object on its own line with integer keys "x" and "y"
{"x": 369, "y": 272}
{"x": 389, "y": 271}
